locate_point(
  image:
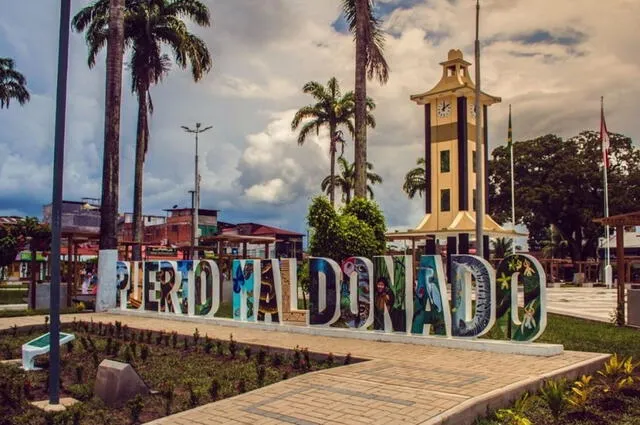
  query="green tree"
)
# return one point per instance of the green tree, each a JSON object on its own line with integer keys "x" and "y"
{"x": 333, "y": 110}
{"x": 559, "y": 182}
{"x": 357, "y": 231}
{"x": 13, "y": 85}
{"x": 345, "y": 181}
{"x": 148, "y": 26}
{"x": 370, "y": 62}
{"x": 8, "y": 248}
{"x": 415, "y": 181}
{"x": 502, "y": 247}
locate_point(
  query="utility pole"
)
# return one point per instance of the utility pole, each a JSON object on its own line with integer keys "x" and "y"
{"x": 196, "y": 196}
{"x": 56, "y": 207}
{"x": 479, "y": 146}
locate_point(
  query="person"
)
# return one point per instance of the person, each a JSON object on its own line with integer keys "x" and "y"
{"x": 85, "y": 283}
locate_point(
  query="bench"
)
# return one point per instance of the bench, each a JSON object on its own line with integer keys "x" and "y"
{"x": 39, "y": 346}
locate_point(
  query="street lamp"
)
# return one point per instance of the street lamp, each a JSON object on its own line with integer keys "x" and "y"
{"x": 196, "y": 202}
{"x": 56, "y": 207}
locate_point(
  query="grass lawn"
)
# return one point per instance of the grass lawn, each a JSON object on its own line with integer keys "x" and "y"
{"x": 12, "y": 296}
{"x": 601, "y": 408}
{"x": 186, "y": 370}
{"x": 586, "y": 335}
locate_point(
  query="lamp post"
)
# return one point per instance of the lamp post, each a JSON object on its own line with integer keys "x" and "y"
{"x": 479, "y": 146}
{"x": 56, "y": 208}
{"x": 196, "y": 196}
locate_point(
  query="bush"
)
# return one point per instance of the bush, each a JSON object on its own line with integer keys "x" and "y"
{"x": 554, "y": 394}
{"x": 144, "y": 353}
{"x": 135, "y": 406}
{"x": 82, "y": 392}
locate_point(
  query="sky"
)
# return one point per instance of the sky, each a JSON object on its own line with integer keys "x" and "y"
{"x": 552, "y": 60}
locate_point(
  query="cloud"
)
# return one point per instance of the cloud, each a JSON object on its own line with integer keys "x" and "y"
{"x": 551, "y": 60}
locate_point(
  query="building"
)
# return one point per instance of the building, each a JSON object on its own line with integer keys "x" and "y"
{"x": 278, "y": 243}
{"x": 81, "y": 218}
{"x": 450, "y": 149}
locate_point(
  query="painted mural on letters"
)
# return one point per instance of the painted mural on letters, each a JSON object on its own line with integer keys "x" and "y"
{"x": 382, "y": 293}
{"x": 526, "y": 270}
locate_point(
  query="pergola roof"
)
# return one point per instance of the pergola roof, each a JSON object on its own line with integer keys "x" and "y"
{"x": 628, "y": 219}
{"x": 464, "y": 222}
{"x": 406, "y": 236}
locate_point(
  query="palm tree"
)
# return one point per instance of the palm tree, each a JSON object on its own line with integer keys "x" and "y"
{"x": 415, "y": 181}
{"x": 370, "y": 63}
{"x": 12, "y": 84}
{"x": 332, "y": 109}
{"x": 346, "y": 180}
{"x": 148, "y": 25}
{"x": 502, "y": 247}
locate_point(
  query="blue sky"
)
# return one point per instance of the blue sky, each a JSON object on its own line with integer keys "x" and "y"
{"x": 551, "y": 60}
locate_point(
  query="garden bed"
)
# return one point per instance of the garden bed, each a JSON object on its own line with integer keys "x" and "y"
{"x": 186, "y": 371}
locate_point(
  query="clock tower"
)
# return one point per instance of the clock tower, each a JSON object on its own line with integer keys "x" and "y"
{"x": 450, "y": 147}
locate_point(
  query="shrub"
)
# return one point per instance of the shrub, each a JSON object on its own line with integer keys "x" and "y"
{"x": 262, "y": 355}
{"x": 96, "y": 360}
{"x": 135, "y": 406}
{"x": 69, "y": 346}
{"x": 214, "y": 389}
{"x": 174, "y": 339}
{"x": 128, "y": 355}
{"x": 276, "y": 360}
{"x": 144, "y": 353}
{"x": 167, "y": 392}
{"x": 330, "y": 359}
{"x": 82, "y": 392}
{"x": 232, "y": 347}
{"x": 581, "y": 392}
{"x": 196, "y": 337}
{"x": 133, "y": 346}
{"x": 149, "y": 335}
{"x": 617, "y": 374}
{"x": 347, "y": 360}
{"x": 260, "y": 374}
{"x": 554, "y": 394}
{"x": 79, "y": 373}
{"x": 109, "y": 346}
{"x": 242, "y": 387}
{"x": 516, "y": 415}
{"x": 247, "y": 352}
{"x": 220, "y": 348}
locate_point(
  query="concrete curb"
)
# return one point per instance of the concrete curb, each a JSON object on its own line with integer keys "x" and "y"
{"x": 494, "y": 346}
{"x": 466, "y": 412}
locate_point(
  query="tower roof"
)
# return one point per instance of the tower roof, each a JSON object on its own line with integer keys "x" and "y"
{"x": 455, "y": 80}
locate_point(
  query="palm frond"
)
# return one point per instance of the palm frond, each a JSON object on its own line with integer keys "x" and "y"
{"x": 306, "y": 130}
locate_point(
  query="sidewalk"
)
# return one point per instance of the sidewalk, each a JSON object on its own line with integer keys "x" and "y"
{"x": 401, "y": 383}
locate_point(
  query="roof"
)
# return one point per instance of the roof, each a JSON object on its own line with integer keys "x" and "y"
{"x": 201, "y": 211}
{"x": 459, "y": 84}
{"x": 464, "y": 222}
{"x": 628, "y": 219}
{"x": 9, "y": 220}
{"x": 232, "y": 237}
{"x": 270, "y": 230}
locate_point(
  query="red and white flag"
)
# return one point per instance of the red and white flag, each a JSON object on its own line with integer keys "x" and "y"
{"x": 604, "y": 138}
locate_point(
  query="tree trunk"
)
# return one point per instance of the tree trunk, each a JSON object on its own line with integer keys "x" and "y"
{"x": 141, "y": 141}
{"x": 362, "y": 20}
{"x": 111, "y": 156}
{"x": 332, "y": 144}
{"x": 32, "y": 283}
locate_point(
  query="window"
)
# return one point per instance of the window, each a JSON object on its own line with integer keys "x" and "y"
{"x": 473, "y": 161}
{"x": 451, "y": 71}
{"x": 444, "y": 162}
{"x": 445, "y": 200}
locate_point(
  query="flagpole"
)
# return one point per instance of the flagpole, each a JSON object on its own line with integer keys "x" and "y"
{"x": 513, "y": 183}
{"x": 608, "y": 272}
{"x": 479, "y": 146}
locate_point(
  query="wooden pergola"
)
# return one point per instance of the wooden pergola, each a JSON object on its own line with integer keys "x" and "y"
{"x": 412, "y": 236}
{"x": 620, "y": 221}
{"x": 243, "y": 240}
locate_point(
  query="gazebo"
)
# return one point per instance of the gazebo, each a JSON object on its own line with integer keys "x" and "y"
{"x": 620, "y": 221}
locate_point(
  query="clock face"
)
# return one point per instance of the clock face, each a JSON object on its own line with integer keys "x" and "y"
{"x": 444, "y": 109}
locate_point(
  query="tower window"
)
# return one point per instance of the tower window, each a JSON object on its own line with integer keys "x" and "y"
{"x": 473, "y": 161}
{"x": 451, "y": 71}
{"x": 445, "y": 200}
{"x": 445, "y": 166}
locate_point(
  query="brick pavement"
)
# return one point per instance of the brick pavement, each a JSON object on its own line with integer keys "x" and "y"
{"x": 400, "y": 383}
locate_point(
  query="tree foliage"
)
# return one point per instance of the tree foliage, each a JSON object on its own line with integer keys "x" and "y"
{"x": 559, "y": 183}
{"x": 358, "y": 230}
{"x": 345, "y": 181}
{"x": 13, "y": 85}
{"x": 27, "y": 233}
{"x": 415, "y": 181}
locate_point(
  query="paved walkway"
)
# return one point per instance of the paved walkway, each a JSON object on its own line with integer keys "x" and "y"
{"x": 586, "y": 303}
{"x": 401, "y": 383}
